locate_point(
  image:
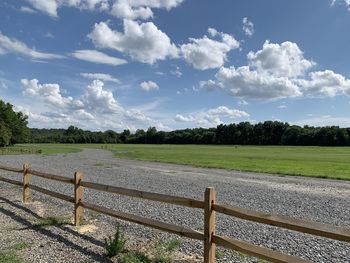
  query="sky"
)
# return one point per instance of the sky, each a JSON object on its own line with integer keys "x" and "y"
{"x": 174, "y": 64}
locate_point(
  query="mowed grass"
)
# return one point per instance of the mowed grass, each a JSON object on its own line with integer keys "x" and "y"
{"x": 324, "y": 162}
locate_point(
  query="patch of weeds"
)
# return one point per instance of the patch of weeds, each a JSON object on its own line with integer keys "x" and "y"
{"x": 52, "y": 221}
{"x": 134, "y": 257}
{"x": 238, "y": 254}
{"x": 162, "y": 258}
{"x": 258, "y": 260}
{"x": 164, "y": 250}
{"x": 94, "y": 215}
{"x": 116, "y": 244}
{"x": 219, "y": 254}
{"x": 169, "y": 245}
{"x": 20, "y": 246}
{"x": 9, "y": 257}
{"x": 98, "y": 164}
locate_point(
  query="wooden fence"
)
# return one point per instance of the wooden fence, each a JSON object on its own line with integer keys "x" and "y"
{"x": 209, "y": 205}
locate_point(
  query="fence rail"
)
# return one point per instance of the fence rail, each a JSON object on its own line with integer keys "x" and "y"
{"x": 209, "y": 205}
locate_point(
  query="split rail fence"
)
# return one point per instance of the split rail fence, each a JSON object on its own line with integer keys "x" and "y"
{"x": 209, "y": 205}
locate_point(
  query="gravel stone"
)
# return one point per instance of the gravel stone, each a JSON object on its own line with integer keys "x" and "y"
{"x": 319, "y": 200}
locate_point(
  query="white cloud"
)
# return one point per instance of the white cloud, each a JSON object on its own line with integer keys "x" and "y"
{"x": 144, "y": 42}
{"x": 326, "y": 120}
{"x": 50, "y": 7}
{"x": 212, "y": 117}
{"x": 91, "y": 5}
{"x": 49, "y": 35}
{"x": 97, "y": 99}
{"x": 49, "y": 93}
{"x": 100, "y": 76}
{"x": 325, "y": 83}
{"x": 47, "y": 6}
{"x": 244, "y": 83}
{"x": 176, "y": 72}
{"x": 26, "y": 9}
{"x": 149, "y": 85}
{"x": 282, "y": 60}
{"x": 206, "y": 53}
{"x": 123, "y": 9}
{"x": 96, "y": 108}
{"x": 277, "y": 71}
{"x": 141, "y": 9}
{"x": 248, "y": 27}
{"x": 97, "y": 57}
{"x": 181, "y": 118}
{"x": 346, "y": 2}
{"x": 12, "y": 45}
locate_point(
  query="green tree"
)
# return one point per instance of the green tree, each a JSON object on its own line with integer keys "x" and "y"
{"x": 13, "y": 125}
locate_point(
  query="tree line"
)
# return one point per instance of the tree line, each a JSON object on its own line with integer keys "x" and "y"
{"x": 13, "y": 129}
{"x": 244, "y": 133}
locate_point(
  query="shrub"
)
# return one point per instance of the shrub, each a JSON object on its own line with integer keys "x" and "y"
{"x": 134, "y": 257}
{"x": 116, "y": 244}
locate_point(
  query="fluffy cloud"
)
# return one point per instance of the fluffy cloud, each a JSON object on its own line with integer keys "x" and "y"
{"x": 49, "y": 93}
{"x": 325, "y": 83}
{"x": 47, "y": 6}
{"x": 277, "y": 71}
{"x": 144, "y": 42}
{"x": 97, "y": 99}
{"x": 97, "y": 57}
{"x": 149, "y": 85}
{"x": 248, "y": 27}
{"x": 50, "y": 7}
{"x": 96, "y": 108}
{"x": 245, "y": 83}
{"x": 129, "y": 9}
{"x": 100, "y": 76}
{"x": 212, "y": 117}
{"x": 102, "y": 5}
{"x": 206, "y": 53}
{"x": 12, "y": 45}
{"x": 137, "y": 9}
{"x": 282, "y": 60}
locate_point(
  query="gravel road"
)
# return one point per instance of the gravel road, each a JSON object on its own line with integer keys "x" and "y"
{"x": 321, "y": 200}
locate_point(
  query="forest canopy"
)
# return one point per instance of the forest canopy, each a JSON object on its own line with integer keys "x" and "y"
{"x": 244, "y": 133}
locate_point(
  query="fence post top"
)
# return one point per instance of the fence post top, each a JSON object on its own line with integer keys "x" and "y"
{"x": 26, "y": 166}
{"x": 210, "y": 189}
{"x": 78, "y": 174}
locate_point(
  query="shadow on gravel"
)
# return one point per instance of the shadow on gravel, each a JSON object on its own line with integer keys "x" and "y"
{"x": 29, "y": 225}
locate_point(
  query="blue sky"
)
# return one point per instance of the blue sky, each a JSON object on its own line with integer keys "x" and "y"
{"x": 130, "y": 64}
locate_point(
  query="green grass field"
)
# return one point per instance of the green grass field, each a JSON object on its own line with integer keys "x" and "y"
{"x": 325, "y": 162}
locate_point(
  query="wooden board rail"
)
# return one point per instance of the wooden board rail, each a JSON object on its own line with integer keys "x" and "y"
{"x": 10, "y": 181}
{"x": 314, "y": 228}
{"x": 209, "y": 205}
{"x": 179, "y": 230}
{"x": 59, "y": 178}
{"x": 175, "y": 200}
{"x": 51, "y": 193}
{"x": 11, "y": 169}
{"x": 256, "y": 251}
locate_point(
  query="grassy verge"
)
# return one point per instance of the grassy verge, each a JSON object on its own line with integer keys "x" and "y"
{"x": 324, "y": 162}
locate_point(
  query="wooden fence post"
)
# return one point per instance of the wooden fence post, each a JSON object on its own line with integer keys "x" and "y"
{"x": 209, "y": 225}
{"x": 27, "y": 177}
{"x": 78, "y": 197}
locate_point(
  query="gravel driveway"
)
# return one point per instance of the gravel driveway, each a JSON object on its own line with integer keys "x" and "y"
{"x": 321, "y": 200}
